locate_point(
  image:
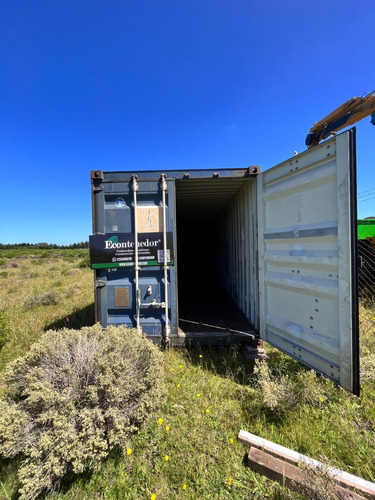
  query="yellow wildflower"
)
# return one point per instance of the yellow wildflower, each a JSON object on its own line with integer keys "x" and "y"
{"x": 129, "y": 451}
{"x": 172, "y": 369}
{"x": 178, "y": 385}
{"x": 184, "y": 486}
{"x": 180, "y": 366}
{"x": 198, "y": 395}
{"x": 160, "y": 421}
{"x": 207, "y": 410}
{"x": 229, "y": 481}
{"x": 321, "y": 400}
{"x": 167, "y": 428}
{"x": 231, "y": 440}
{"x": 166, "y": 458}
{"x": 200, "y": 356}
{"x": 153, "y": 497}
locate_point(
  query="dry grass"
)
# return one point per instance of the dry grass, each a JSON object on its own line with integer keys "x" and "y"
{"x": 40, "y": 294}
{"x": 283, "y": 391}
{"x": 367, "y": 342}
{"x": 323, "y": 483}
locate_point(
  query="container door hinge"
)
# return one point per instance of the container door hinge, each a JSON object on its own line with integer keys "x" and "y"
{"x": 100, "y": 283}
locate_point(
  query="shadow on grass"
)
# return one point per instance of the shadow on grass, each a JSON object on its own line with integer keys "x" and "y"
{"x": 76, "y": 320}
{"x": 227, "y": 362}
{"x": 77, "y": 482}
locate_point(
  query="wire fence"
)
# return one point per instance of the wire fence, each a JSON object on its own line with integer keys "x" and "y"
{"x": 366, "y": 271}
{"x": 366, "y": 292}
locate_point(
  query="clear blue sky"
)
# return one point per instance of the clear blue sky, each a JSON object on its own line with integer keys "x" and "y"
{"x": 165, "y": 84}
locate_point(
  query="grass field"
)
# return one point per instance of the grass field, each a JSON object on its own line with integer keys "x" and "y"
{"x": 189, "y": 448}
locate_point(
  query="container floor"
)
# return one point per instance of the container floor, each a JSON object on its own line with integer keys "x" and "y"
{"x": 211, "y": 311}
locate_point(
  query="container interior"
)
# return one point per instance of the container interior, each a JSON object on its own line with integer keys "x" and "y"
{"x": 216, "y": 255}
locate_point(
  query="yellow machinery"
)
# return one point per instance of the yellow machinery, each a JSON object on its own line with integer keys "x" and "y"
{"x": 348, "y": 113}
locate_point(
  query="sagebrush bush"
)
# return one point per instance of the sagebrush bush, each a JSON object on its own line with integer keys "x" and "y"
{"x": 73, "y": 398}
{"x": 41, "y": 299}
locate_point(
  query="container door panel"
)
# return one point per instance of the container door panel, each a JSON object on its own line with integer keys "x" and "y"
{"x": 115, "y": 286}
{"x": 307, "y": 259}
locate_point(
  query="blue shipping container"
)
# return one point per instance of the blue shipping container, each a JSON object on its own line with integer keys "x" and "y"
{"x": 222, "y": 256}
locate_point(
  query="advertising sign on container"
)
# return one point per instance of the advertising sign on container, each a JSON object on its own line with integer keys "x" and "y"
{"x": 118, "y": 250}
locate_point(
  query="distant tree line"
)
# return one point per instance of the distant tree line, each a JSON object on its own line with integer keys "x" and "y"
{"x": 82, "y": 244}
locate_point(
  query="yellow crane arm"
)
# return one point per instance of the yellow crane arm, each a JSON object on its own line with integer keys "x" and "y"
{"x": 350, "y": 112}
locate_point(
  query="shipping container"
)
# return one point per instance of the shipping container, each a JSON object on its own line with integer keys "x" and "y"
{"x": 225, "y": 256}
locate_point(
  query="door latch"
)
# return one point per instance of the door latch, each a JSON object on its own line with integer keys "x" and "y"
{"x": 100, "y": 283}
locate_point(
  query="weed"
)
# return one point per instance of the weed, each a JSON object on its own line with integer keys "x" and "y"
{"x": 308, "y": 389}
{"x": 282, "y": 392}
{"x": 41, "y": 299}
{"x": 277, "y": 390}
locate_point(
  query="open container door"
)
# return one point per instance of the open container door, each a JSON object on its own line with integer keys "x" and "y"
{"x": 307, "y": 259}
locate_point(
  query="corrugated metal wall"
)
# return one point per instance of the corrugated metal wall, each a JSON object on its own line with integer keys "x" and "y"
{"x": 306, "y": 256}
{"x": 237, "y": 263}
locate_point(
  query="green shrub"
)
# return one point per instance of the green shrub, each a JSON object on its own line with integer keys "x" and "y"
{"x": 77, "y": 395}
{"x": 85, "y": 262}
{"x": 4, "y": 329}
{"x": 2, "y": 262}
{"x": 41, "y": 299}
{"x": 3, "y": 274}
